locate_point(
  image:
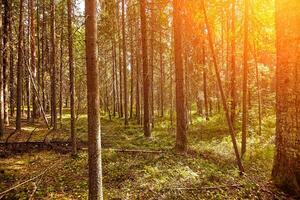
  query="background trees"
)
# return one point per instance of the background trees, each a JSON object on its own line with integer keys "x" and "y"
{"x": 155, "y": 57}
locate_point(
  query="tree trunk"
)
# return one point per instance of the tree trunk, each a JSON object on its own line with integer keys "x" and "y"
{"x": 171, "y": 91}
{"x": 5, "y": 62}
{"x": 61, "y": 67}
{"x": 233, "y": 67}
{"x": 33, "y": 55}
{"x": 94, "y": 131}
{"x": 11, "y": 65}
{"x": 38, "y": 112}
{"x": 147, "y": 131}
{"x": 258, "y": 92}
{"x": 181, "y": 138}
{"x": 217, "y": 72}
{"x": 1, "y": 78}
{"x": 286, "y": 170}
{"x": 44, "y": 55}
{"x": 131, "y": 63}
{"x": 151, "y": 64}
{"x": 53, "y": 65}
{"x": 20, "y": 68}
{"x": 124, "y": 64}
{"x": 114, "y": 63}
{"x": 120, "y": 65}
{"x": 205, "y": 83}
{"x": 137, "y": 58}
{"x": 245, "y": 80}
{"x": 72, "y": 77}
{"x": 162, "y": 75}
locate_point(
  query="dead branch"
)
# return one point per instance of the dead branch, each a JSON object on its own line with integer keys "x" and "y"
{"x": 130, "y": 150}
{"x": 33, "y": 191}
{"x": 10, "y": 135}
{"x": 29, "y": 180}
{"x": 31, "y": 135}
{"x": 207, "y": 188}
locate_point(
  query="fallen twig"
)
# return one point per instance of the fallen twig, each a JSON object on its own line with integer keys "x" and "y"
{"x": 31, "y": 135}
{"x": 130, "y": 150}
{"x": 29, "y": 180}
{"x": 207, "y": 188}
{"x": 10, "y": 135}
{"x": 33, "y": 191}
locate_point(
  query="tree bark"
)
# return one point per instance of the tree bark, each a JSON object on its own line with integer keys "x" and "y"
{"x": 72, "y": 77}
{"x": 124, "y": 64}
{"x": 245, "y": 80}
{"x": 33, "y": 55}
{"x": 205, "y": 82}
{"x": 120, "y": 64}
{"x": 5, "y": 62}
{"x": 217, "y": 71}
{"x": 151, "y": 64}
{"x": 162, "y": 75}
{"x": 286, "y": 171}
{"x": 20, "y": 68}
{"x": 93, "y": 96}
{"x": 147, "y": 131}
{"x": 53, "y": 64}
{"x": 1, "y": 78}
{"x": 233, "y": 65}
{"x": 181, "y": 138}
{"x": 11, "y": 65}
{"x": 61, "y": 67}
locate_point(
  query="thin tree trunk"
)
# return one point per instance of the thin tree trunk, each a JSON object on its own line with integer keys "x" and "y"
{"x": 132, "y": 66}
{"x": 171, "y": 93}
{"x": 231, "y": 128}
{"x": 233, "y": 66}
{"x": 245, "y": 80}
{"x": 137, "y": 58}
{"x": 53, "y": 64}
{"x": 94, "y": 131}
{"x": 72, "y": 77}
{"x": 11, "y": 65}
{"x": 1, "y": 78}
{"x": 114, "y": 74}
{"x": 151, "y": 64}
{"x": 258, "y": 92}
{"x": 38, "y": 112}
{"x": 120, "y": 65}
{"x": 205, "y": 82}
{"x": 27, "y": 61}
{"x": 20, "y": 68}
{"x": 124, "y": 64}
{"x": 147, "y": 131}
{"x": 114, "y": 61}
{"x": 44, "y": 55}
{"x": 162, "y": 75}
{"x": 33, "y": 55}
{"x": 5, "y": 62}
{"x": 61, "y": 68}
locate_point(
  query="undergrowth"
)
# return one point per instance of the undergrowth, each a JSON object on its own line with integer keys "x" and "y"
{"x": 202, "y": 173}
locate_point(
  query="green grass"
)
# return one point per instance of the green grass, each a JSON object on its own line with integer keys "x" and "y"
{"x": 209, "y": 162}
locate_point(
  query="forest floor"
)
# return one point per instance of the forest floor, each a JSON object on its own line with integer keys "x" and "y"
{"x": 207, "y": 171}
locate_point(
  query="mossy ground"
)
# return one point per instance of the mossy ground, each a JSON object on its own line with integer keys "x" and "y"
{"x": 209, "y": 162}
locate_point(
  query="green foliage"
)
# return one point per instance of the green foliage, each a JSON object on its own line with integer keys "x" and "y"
{"x": 209, "y": 162}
